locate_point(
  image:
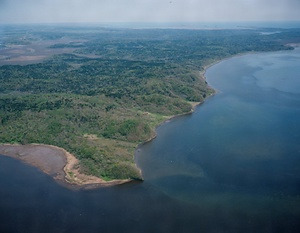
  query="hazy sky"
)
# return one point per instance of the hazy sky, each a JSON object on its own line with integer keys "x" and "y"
{"x": 45, "y": 11}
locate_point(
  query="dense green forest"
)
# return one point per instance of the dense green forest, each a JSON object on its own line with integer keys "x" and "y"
{"x": 107, "y": 94}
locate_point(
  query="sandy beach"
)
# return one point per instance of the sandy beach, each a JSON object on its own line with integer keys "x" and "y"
{"x": 64, "y": 167}
{"x": 58, "y": 163}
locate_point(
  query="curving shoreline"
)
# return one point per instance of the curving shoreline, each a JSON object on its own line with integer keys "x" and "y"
{"x": 64, "y": 167}
{"x": 215, "y": 91}
{"x": 68, "y": 173}
{"x": 57, "y": 163}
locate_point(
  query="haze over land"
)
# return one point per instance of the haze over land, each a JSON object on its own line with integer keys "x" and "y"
{"x": 85, "y": 83}
{"x": 98, "y": 92}
{"x": 57, "y": 11}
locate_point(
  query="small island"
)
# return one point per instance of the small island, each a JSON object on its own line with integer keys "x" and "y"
{"x": 77, "y": 105}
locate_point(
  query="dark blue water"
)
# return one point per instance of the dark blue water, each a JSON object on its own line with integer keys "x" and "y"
{"x": 231, "y": 166}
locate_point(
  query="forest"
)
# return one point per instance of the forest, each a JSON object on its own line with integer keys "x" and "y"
{"x": 112, "y": 87}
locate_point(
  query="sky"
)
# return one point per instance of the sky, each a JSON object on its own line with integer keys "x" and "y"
{"x": 101, "y": 11}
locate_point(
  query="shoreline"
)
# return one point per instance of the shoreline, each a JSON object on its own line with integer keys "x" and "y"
{"x": 67, "y": 172}
{"x": 58, "y": 163}
{"x": 197, "y": 104}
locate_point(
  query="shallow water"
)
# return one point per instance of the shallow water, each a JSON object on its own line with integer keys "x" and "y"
{"x": 231, "y": 166}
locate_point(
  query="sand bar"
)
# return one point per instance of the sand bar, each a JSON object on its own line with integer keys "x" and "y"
{"x": 58, "y": 163}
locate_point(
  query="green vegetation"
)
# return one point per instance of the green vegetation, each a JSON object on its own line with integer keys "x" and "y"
{"x": 103, "y": 99}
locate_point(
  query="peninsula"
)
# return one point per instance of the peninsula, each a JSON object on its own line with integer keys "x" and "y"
{"x": 76, "y": 102}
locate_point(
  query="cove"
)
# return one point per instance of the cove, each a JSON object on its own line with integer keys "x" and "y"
{"x": 231, "y": 166}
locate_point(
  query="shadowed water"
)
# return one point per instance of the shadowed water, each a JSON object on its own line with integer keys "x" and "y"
{"x": 231, "y": 166}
